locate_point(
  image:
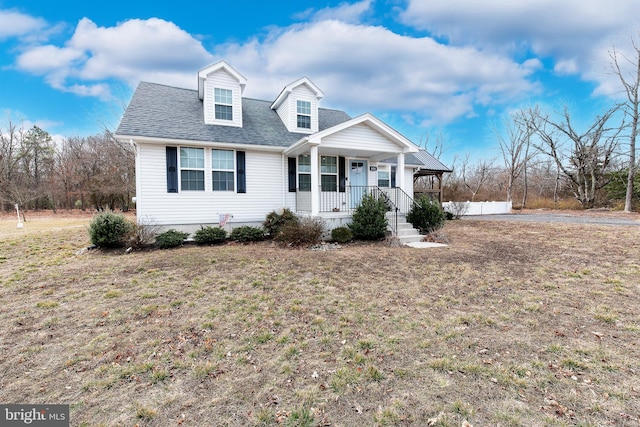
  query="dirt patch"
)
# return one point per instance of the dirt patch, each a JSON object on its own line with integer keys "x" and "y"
{"x": 511, "y": 324}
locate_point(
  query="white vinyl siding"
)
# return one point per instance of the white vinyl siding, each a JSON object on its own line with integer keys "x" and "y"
{"x": 264, "y": 193}
{"x": 289, "y": 108}
{"x": 360, "y": 137}
{"x": 221, "y": 79}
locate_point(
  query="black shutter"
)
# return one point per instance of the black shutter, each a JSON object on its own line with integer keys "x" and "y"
{"x": 393, "y": 177}
{"x": 240, "y": 172}
{"x": 292, "y": 174}
{"x": 342, "y": 173}
{"x": 172, "y": 169}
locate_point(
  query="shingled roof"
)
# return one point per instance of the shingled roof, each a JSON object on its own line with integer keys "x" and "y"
{"x": 159, "y": 111}
{"x": 166, "y": 112}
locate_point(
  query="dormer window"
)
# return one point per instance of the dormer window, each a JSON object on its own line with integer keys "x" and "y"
{"x": 223, "y": 104}
{"x": 304, "y": 114}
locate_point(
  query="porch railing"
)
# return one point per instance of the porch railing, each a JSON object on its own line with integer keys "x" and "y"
{"x": 334, "y": 201}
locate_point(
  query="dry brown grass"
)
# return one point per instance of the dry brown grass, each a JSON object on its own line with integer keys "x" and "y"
{"x": 512, "y": 324}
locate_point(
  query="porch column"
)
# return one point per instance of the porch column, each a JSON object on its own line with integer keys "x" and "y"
{"x": 400, "y": 173}
{"x": 400, "y": 181}
{"x": 315, "y": 181}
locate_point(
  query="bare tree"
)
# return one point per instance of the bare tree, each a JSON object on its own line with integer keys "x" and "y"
{"x": 514, "y": 146}
{"x": 629, "y": 74}
{"x": 476, "y": 175}
{"x": 583, "y": 158}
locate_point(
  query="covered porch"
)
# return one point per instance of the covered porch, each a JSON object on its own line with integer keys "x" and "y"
{"x": 332, "y": 170}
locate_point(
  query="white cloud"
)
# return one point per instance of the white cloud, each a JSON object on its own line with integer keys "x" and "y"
{"x": 371, "y": 68}
{"x": 625, "y": 44}
{"x": 568, "y": 31}
{"x": 134, "y": 50}
{"x": 16, "y": 24}
{"x": 360, "y": 67}
{"x": 344, "y": 12}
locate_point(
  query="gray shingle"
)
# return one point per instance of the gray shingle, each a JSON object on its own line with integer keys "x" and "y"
{"x": 159, "y": 111}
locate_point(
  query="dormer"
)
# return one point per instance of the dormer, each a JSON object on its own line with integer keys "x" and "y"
{"x": 297, "y": 106}
{"x": 220, "y": 89}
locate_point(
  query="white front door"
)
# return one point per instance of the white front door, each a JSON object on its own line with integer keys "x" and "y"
{"x": 357, "y": 180}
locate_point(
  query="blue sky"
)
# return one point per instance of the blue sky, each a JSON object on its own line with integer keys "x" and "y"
{"x": 448, "y": 69}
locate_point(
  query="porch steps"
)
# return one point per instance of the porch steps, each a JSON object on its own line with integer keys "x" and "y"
{"x": 405, "y": 232}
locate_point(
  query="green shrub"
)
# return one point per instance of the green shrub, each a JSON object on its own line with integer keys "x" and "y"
{"x": 275, "y": 221}
{"x": 170, "y": 239}
{"x": 109, "y": 230}
{"x": 426, "y": 215}
{"x": 341, "y": 235}
{"x": 303, "y": 231}
{"x": 369, "y": 221}
{"x": 210, "y": 235}
{"x": 247, "y": 233}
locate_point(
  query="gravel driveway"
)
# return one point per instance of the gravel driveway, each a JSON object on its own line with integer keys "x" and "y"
{"x": 603, "y": 219}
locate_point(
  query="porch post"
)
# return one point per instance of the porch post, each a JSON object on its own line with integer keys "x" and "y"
{"x": 315, "y": 181}
{"x": 400, "y": 179}
{"x": 400, "y": 173}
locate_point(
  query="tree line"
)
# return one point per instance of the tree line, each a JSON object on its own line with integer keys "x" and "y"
{"x": 548, "y": 155}
{"x": 36, "y": 172}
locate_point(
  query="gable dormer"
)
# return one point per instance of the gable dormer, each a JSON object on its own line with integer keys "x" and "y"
{"x": 297, "y": 106}
{"x": 220, "y": 89}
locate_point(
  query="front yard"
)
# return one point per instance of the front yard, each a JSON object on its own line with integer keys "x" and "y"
{"x": 512, "y": 324}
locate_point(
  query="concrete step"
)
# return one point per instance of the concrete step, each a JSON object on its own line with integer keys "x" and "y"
{"x": 404, "y": 230}
{"x": 410, "y": 239}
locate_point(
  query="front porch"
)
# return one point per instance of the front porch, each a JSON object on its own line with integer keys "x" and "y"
{"x": 345, "y": 202}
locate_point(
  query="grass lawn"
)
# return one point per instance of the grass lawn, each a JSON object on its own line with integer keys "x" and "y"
{"x": 513, "y": 324}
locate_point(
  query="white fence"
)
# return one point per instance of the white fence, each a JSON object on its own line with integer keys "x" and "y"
{"x": 477, "y": 208}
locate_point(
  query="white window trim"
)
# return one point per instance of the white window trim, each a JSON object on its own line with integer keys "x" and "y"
{"x": 181, "y": 168}
{"x": 329, "y": 174}
{"x": 301, "y": 172}
{"x": 232, "y": 170}
{"x": 387, "y": 170}
{"x": 298, "y": 113}
{"x": 221, "y": 103}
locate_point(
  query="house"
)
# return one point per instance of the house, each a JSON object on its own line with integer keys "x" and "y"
{"x": 212, "y": 156}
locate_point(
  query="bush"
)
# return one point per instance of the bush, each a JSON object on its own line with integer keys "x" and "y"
{"x": 341, "y": 235}
{"x": 109, "y": 230}
{"x": 426, "y": 215}
{"x": 275, "y": 221}
{"x": 171, "y": 239}
{"x": 247, "y": 233}
{"x": 456, "y": 210}
{"x": 369, "y": 221}
{"x": 210, "y": 235}
{"x": 143, "y": 233}
{"x": 303, "y": 231}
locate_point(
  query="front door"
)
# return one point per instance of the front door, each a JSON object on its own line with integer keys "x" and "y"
{"x": 357, "y": 180}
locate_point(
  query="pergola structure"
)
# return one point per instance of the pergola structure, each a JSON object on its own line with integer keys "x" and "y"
{"x": 428, "y": 178}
